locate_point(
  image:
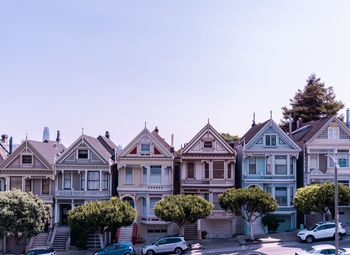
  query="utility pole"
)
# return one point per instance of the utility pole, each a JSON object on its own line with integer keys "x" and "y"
{"x": 336, "y": 216}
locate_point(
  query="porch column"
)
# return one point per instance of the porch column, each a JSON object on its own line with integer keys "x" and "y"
{"x": 56, "y": 212}
{"x": 56, "y": 182}
{"x": 211, "y": 170}
{"x": 110, "y": 183}
{"x": 148, "y": 179}
{"x": 288, "y": 196}
{"x": 71, "y": 181}
{"x": 288, "y": 165}
{"x": 62, "y": 179}
{"x": 100, "y": 180}
{"x": 225, "y": 170}
{"x": 273, "y": 164}
{"x": 7, "y": 183}
{"x": 148, "y": 203}
{"x": 308, "y": 162}
{"x": 23, "y": 183}
{"x": 72, "y": 204}
{"x": 85, "y": 177}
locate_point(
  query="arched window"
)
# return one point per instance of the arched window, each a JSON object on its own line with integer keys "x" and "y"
{"x": 129, "y": 200}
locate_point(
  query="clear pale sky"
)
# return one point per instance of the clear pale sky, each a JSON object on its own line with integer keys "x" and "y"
{"x": 112, "y": 65}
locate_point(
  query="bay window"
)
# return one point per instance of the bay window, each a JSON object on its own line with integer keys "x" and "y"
{"x": 206, "y": 170}
{"x": 16, "y": 183}
{"x": 129, "y": 175}
{"x": 281, "y": 195}
{"x": 67, "y": 180}
{"x": 281, "y": 165}
{"x": 144, "y": 175}
{"x": 268, "y": 165}
{"x": 45, "y": 186}
{"x": 218, "y": 169}
{"x": 105, "y": 181}
{"x": 190, "y": 170}
{"x": 93, "y": 180}
{"x": 166, "y": 175}
{"x": 216, "y": 201}
{"x": 343, "y": 158}
{"x": 153, "y": 201}
{"x": 252, "y": 165}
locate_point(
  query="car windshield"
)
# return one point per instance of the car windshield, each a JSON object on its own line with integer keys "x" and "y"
{"x": 313, "y": 227}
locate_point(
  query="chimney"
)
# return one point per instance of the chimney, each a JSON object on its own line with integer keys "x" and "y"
{"x": 290, "y": 124}
{"x": 172, "y": 140}
{"x": 347, "y": 117}
{"x": 58, "y": 138}
{"x": 4, "y": 139}
{"x": 11, "y": 145}
{"x": 46, "y": 135}
{"x": 253, "y": 124}
{"x": 107, "y": 134}
{"x": 299, "y": 123}
{"x": 113, "y": 153}
{"x": 156, "y": 130}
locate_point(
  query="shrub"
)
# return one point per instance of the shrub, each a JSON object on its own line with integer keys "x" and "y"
{"x": 271, "y": 222}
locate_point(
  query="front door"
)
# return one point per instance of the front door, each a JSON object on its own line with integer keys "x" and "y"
{"x": 64, "y": 213}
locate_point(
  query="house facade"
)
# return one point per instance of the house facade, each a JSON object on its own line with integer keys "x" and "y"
{"x": 145, "y": 176}
{"x": 207, "y": 169}
{"x": 83, "y": 173}
{"x": 30, "y": 169}
{"x": 267, "y": 159}
{"x": 318, "y": 139}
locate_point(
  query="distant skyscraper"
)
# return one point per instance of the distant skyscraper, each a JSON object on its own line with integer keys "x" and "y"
{"x": 46, "y": 134}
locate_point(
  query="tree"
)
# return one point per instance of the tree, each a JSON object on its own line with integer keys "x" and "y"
{"x": 314, "y": 102}
{"x": 249, "y": 203}
{"x": 102, "y": 216}
{"x": 22, "y": 214}
{"x": 227, "y": 137}
{"x": 319, "y": 198}
{"x": 183, "y": 209}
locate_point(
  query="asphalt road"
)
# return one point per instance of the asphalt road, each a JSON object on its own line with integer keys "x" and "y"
{"x": 285, "y": 248}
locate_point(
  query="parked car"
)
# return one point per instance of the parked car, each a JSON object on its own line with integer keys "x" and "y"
{"x": 321, "y": 230}
{"x": 117, "y": 249}
{"x": 166, "y": 245}
{"x": 41, "y": 251}
{"x": 324, "y": 249}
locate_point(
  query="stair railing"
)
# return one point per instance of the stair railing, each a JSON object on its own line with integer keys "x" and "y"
{"x": 134, "y": 234}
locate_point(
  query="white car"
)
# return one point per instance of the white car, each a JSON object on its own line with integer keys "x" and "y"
{"x": 323, "y": 249}
{"x": 321, "y": 230}
{"x": 167, "y": 245}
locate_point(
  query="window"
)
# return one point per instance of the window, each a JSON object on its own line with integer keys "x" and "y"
{"x": 252, "y": 165}
{"x": 15, "y": 182}
{"x": 313, "y": 161}
{"x": 216, "y": 201}
{"x": 45, "y": 186}
{"x": 281, "y": 165}
{"x": 93, "y": 180}
{"x": 218, "y": 169}
{"x": 270, "y": 140}
{"x": 83, "y": 154}
{"x": 343, "y": 158}
{"x": 156, "y": 174}
{"x": 208, "y": 144}
{"x": 291, "y": 195}
{"x": 82, "y": 181}
{"x": 153, "y": 201}
{"x": 206, "y": 170}
{"x": 144, "y": 207}
{"x": 206, "y": 196}
{"x": 345, "y": 182}
{"x": 129, "y": 200}
{"x": 129, "y": 175}
{"x": 229, "y": 171}
{"x": 67, "y": 180}
{"x": 281, "y": 195}
{"x": 268, "y": 165}
{"x": 190, "y": 170}
{"x": 28, "y": 185}
{"x": 291, "y": 165}
{"x": 268, "y": 189}
{"x": 144, "y": 175}
{"x": 145, "y": 147}
{"x": 27, "y": 159}
{"x": 105, "y": 181}
{"x": 333, "y": 133}
{"x": 166, "y": 175}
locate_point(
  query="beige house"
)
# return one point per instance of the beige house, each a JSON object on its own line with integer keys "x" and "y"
{"x": 208, "y": 169}
{"x": 145, "y": 176}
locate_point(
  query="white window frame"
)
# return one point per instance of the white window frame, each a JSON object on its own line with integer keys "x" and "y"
{"x": 27, "y": 154}
{"x": 332, "y": 135}
{"x": 132, "y": 175}
{"x": 286, "y": 188}
{"x": 98, "y": 181}
{"x": 68, "y": 179}
{"x": 208, "y": 148}
{"x": 270, "y": 135}
{"x": 105, "y": 181}
{"x": 160, "y": 181}
{"x": 256, "y": 163}
{"x": 166, "y": 175}
{"x": 317, "y": 159}
{"x": 286, "y": 158}
{"x": 83, "y": 149}
{"x": 145, "y": 151}
{"x": 151, "y": 212}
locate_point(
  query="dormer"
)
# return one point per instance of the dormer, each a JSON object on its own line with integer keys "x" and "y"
{"x": 26, "y": 159}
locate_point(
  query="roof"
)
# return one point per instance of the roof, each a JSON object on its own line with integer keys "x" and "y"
{"x": 308, "y": 130}
{"x": 108, "y": 144}
{"x": 162, "y": 141}
{"x": 49, "y": 150}
{"x": 3, "y": 152}
{"x": 252, "y": 132}
{"x": 98, "y": 146}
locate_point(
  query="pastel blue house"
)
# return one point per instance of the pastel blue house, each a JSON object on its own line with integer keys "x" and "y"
{"x": 267, "y": 158}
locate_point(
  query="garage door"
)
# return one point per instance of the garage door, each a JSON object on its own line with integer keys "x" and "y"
{"x": 154, "y": 232}
{"x": 221, "y": 229}
{"x": 344, "y": 216}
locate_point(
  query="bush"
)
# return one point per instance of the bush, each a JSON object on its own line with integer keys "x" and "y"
{"x": 271, "y": 222}
{"x": 79, "y": 237}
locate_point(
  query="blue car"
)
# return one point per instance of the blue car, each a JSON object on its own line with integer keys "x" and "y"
{"x": 117, "y": 249}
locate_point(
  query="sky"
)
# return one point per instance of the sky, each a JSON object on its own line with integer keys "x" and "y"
{"x": 114, "y": 65}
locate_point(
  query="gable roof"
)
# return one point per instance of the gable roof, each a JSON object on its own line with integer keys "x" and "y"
{"x": 258, "y": 129}
{"x": 162, "y": 140}
{"x": 310, "y": 129}
{"x": 216, "y": 134}
{"x": 250, "y": 134}
{"x": 108, "y": 144}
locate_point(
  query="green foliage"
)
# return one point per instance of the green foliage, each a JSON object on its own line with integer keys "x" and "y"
{"x": 102, "y": 216}
{"x": 79, "y": 237}
{"x": 314, "y": 102}
{"x": 249, "y": 203}
{"x": 271, "y": 222}
{"x": 320, "y": 198}
{"x": 183, "y": 209}
{"x": 227, "y": 137}
{"x": 22, "y": 212}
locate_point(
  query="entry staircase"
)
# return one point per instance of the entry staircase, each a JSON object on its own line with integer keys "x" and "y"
{"x": 191, "y": 231}
{"x": 40, "y": 240}
{"x": 60, "y": 239}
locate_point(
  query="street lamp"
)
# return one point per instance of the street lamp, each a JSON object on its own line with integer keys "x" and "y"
{"x": 336, "y": 216}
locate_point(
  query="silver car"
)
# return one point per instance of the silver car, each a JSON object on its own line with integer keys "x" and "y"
{"x": 166, "y": 245}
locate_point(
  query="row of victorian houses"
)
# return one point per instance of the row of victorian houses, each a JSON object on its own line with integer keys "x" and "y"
{"x": 148, "y": 169}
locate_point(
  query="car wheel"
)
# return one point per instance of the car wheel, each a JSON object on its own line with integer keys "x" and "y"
{"x": 309, "y": 239}
{"x": 339, "y": 236}
{"x": 178, "y": 251}
{"x": 150, "y": 252}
